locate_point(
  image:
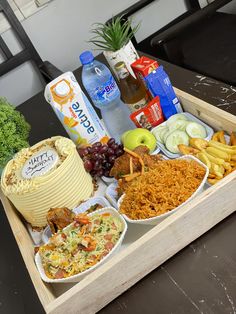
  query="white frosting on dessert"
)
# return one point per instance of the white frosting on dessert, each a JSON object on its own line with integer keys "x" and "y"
{"x": 48, "y": 174}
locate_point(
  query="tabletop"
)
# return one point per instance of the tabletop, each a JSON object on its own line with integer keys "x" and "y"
{"x": 199, "y": 279}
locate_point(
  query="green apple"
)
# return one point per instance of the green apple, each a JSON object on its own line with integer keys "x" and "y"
{"x": 124, "y": 135}
{"x": 138, "y": 137}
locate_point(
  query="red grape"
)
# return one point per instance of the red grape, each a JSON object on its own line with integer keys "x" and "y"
{"x": 95, "y": 156}
{"x": 119, "y": 152}
{"x": 103, "y": 149}
{"x": 104, "y": 161}
{"x": 111, "y": 141}
{"x": 97, "y": 165}
{"x": 83, "y": 151}
{"x": 101, "y": 157}
{"x": 112, "y": 159}
{"x": 110, "y": 152}
{"x": 98, "y": 159}
{"x": 97, "y": 144}
{"x": 107, "y": 173}
{"x": 88, "y": 165}
{"x": 114, "y": 146}
{"x": 100, "y": 173}
{"x": 108, "y": 165}
{"x": 95, "y": 149}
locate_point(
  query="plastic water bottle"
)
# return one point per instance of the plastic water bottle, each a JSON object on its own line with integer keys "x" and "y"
{"x": 104, "y": 93}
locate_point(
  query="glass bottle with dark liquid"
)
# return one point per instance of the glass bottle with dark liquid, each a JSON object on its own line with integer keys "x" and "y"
{"x": 133, "y": 92}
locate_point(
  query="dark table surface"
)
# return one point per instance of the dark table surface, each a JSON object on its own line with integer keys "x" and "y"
{"x": 199, "y": 279}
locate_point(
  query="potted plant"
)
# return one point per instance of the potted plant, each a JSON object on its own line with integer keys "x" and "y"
{"x": 115, "y": 40}
{"x": 14, "y": 132}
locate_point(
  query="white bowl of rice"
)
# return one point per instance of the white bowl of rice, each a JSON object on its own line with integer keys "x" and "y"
{"x": 159, "y": 218}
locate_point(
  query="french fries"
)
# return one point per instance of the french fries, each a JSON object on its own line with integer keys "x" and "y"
{"x": 215, "y": 137}
{"x": 215, "y": 160}
{"x": 223, "y": 147}
{"x": 219, "y": 137}
{"x": 232, "y": 163}
{"x": 216, "y": 170}
{"x": 232, "y": 138}
{"x": 228, "y": 171}
{"x": 187, "y": 150}
{"x": 213, "y": 181}
{"x": 204, "y": 159}
{"x": 233, "y": 157}
{"x": 198, "y": 143}
{"x": 216, "y": 154}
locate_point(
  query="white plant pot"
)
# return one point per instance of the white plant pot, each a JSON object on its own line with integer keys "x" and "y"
{"x": 127, "y": 54}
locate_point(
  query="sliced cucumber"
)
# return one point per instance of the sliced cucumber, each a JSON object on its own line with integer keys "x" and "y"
{"x": 159, "y": 133}
{"x": 195, "y": 129}
{"x": 166, "y": 135}
{"x": 178, "y": 125}
{"x": 162, "y": 134}
{"x": 156, "y": 132}
{"x": 175, "y": 117}
{"x": 174, "y": 139}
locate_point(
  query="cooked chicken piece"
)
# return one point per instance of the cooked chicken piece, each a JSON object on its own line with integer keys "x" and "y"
{"x": 59, "y": 218}
{"x": 122, "y": 164}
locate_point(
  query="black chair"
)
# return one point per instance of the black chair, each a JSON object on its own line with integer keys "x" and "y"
{"x": 202, "y": 40}
{"x": 45, "y": 69}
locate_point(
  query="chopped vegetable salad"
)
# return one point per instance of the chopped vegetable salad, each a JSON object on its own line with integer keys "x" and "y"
{"x": 80, "y": 245}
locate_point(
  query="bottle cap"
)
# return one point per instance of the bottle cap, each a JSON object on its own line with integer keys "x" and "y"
{"x": 86, "y": 57}
{"x": 62, "y": 89}
{"x": 121, "y": 70}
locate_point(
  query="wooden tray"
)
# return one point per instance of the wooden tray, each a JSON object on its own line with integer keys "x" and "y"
{"x": 149, "y": 247}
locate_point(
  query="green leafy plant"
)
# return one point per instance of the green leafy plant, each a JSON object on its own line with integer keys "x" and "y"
{"x": 113, "y": 36}
{"x": 14, "y": 131}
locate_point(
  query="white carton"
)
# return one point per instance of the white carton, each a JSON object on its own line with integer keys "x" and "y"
{"x": 74, "y": 110}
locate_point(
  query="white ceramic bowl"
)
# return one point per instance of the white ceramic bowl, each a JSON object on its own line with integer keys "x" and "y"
{"x": 90, "y": 202}
{"x": 80, "y": 276}
{"x": 78, "y": 210}
{"x": 108, "y": 180}
{"x": 156, "y": 220}
{"x": 111, "y": 194}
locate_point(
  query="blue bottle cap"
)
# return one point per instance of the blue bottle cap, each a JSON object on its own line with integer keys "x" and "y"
{"x": 86, "y": 57}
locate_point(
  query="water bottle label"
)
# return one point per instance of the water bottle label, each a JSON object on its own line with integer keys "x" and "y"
{"x": 106, "y": 92}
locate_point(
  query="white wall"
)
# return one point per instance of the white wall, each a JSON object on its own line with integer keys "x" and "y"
{"x": 60, "y": 31}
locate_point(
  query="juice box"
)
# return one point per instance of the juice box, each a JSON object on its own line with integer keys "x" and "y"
{"x": 159, "y": 84}
{"x": 143, "y": 66}
{"x": 74, "y": 110}
{"x": 149, "y": 116}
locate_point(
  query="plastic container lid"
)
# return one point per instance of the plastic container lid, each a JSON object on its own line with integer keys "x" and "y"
{"x": 86, "y": 57}
{"x": 62, "y": 89}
